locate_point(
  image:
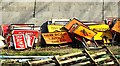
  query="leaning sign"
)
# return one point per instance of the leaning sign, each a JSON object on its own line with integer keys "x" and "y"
{"x": 84, "y": 32}
{"x": 19, "y": 41}
{"x": 56, "y": 38}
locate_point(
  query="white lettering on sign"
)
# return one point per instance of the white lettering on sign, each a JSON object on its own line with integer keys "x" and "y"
{"x": 19, "y": 41}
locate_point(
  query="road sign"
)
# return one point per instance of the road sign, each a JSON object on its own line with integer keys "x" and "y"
{"x": 56, "y": 38}
{"x": 28, "y": 32}
{"x": 19, "y": 41}
{"x": 84, "y": 32}
{"x": 53, "y": 28}
{"x": 30, "y": 40}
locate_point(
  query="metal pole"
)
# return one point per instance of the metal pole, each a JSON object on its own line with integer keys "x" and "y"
{"x": 103, "y": 11}
{"x": 34, "y": 9}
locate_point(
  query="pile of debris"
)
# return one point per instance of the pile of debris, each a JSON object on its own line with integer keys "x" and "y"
{"x": 65, "y": 31}
{"x": 61, "y": 32}
{"x": 21, "y": 36}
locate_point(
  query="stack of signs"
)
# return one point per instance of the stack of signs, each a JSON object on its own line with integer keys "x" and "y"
{"x": 56, "y": 38}
{"x": 29, "y": 36}
{"x": 23, "y": 35}
{"x": 103, "y": 33}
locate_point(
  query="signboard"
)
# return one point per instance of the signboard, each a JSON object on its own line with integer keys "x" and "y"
{"x": 56, "y": 38}
{"x": 26, "y": 32}
{"x": 116, "y": 27}
{"x": 100, "y": 27}
{"x": 84, "y": 32}
{"x": 53, "y": 28}
{"x": 19, "y": 41}
{"x": 98, "y": 36}
{"x": 30, "y": 40}
{"x": 72, "y": 23}
{"x": 5, "y": 28}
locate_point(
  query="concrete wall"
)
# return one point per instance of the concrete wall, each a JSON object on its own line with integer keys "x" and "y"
{"x": 13, "y": 11}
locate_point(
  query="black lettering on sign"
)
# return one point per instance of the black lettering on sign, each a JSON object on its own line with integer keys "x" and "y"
{"x": 84, "y": 32}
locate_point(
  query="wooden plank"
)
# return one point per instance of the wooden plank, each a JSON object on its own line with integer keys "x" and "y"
{"x": 101, "y": 59}
{"x": 109, "y": 63}
{"x": 41, "y": 61}
{"x": 83, "y": 63}
{"x": 73, "y": 59}
{"x": 69, "y": 55}
{"x": 96, "y": 54}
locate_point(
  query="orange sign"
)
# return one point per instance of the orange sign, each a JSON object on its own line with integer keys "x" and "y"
{"x": 56, "y": 38}
{"x": 73, "y": 24}
{"x": 84, "y": 32}
{"x": 116, "y": 27}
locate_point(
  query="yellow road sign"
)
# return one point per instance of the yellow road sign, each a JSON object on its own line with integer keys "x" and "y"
{"x": 53, "y": 28}
{"x": 100, "y": 27}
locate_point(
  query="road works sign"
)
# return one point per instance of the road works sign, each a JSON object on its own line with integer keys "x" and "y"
{"x": 73, "y": 24}
{"x": 53, "y": 28}
{"x": 84, "y": 32}
{"x": 19, "y": 41}
{"x": 56, "y": 38}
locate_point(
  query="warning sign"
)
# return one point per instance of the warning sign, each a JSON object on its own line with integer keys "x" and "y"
{"x": 56, "y": 38}
{"x": 19, "y": 41}
{"x": 82, "y": 31}
{"x": 116, "y": 27}
{"x": 73, "y": 24}
{"x": 52, "y": 28}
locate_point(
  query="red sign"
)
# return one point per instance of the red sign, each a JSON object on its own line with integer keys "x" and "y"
{"x": 19, "y": 41}
{"x": 30, "y": 40}
{"x": 5, "y": 29}
{"x": 28, "y": 32}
